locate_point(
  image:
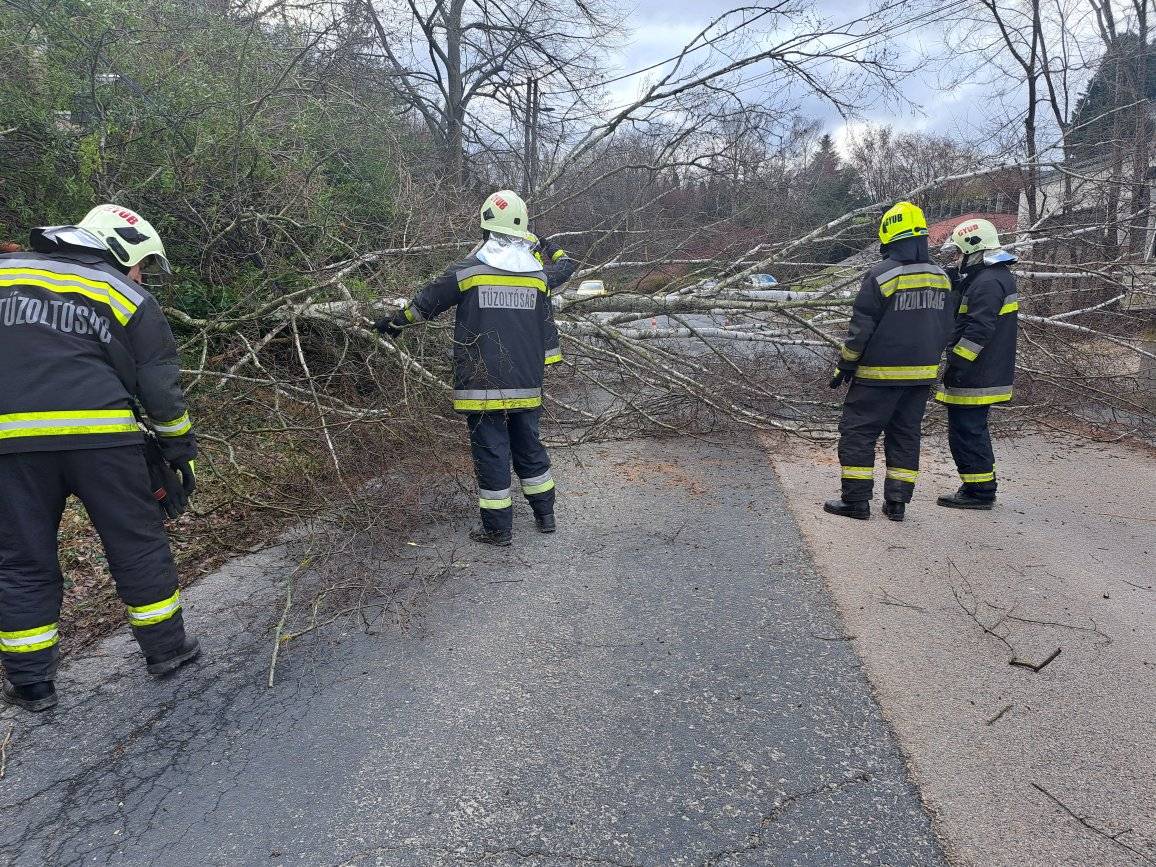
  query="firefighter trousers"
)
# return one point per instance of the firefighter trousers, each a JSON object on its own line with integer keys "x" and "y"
{"x": 896, "y": 411}
{"x": 113, "y": 485}
{"x": 496, "y": 438}
{"x": 969, "y": 437}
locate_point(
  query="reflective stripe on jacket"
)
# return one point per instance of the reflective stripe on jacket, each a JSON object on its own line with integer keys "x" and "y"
{"x": 62, "y": 315}
{"x": 901, "y": 319}
{"x": 982, "y": 357}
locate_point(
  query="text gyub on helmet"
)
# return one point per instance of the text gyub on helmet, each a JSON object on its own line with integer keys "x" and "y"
{"x": 977, "y": 239}
{"x": 130, "y": 238}
{"x": 904, "y": 220}
{"x": 505, "y": 212}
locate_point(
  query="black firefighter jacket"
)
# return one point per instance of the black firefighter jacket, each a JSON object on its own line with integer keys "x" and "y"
{"x": 901, "y": 319}
{"x": 63, "y": 317}
{"x": 504, "y": 333}
{"x": 982, "y": 361}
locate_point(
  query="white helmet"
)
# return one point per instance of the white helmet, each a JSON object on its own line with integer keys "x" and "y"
{"x": 978, "y": 236}
{"x": 505, "y": 212}
{"x": 128, "y": 236}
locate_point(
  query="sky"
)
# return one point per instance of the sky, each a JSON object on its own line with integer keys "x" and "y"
{"x": 659, "y": 28}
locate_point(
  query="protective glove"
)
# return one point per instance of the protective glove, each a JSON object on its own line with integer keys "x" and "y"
{"x": 391, "y": 326}
{"x": 188, "y": 474}
{"x": 841, "y": 376}
{"x": 548, "y": 248}
{"x": 167, "y": 489}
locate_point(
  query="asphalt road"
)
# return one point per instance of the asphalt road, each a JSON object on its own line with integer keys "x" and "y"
{"x": 663, "y": 682}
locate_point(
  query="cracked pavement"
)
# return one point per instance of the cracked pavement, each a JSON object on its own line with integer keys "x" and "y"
{"x": 662, "y": 682}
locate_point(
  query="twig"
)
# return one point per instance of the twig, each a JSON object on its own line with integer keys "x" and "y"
{"x": 4, "y": 749}
{"x": 888, "y": 599}
{"x": 1099, "y": 832}
{"x": 999, "y": 715}
{"x": 284, "y": 619}
{"x": 1020, "y": 663}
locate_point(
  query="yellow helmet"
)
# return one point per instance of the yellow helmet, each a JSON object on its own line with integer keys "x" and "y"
{"x": 904, "y": 220}
{"x": 129, "y": 236}
{"x": 506, "y": 213}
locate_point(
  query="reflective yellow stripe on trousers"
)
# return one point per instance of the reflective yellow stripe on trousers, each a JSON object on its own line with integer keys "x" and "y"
{"x": 900, "y": 474}
{"x": 975, "y": 478}
{"x": 147, "y": 615}
{"x": 538, "y": 484}
{"x": 494, "y": 499}
{"x": 29, "y": 640}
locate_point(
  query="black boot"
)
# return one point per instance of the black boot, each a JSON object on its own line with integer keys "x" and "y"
{"x": 965, "y": 499}
{"x": 860, "y": 510}
{"x": 488, "y": 537}
{"x": 545, "y": 523}
{"x": 33, "y": 697}
{"x": 894, "y": 509}
{"x": 167, "y": 663}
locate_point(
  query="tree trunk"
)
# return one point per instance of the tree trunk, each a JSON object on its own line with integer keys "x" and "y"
{"x": 1141, "y": 146}
{"x": 455, "y": 93}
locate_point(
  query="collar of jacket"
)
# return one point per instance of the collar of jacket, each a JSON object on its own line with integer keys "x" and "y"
{"x": 907, "y": 251}
{"x": 514, "y": 257}
{"x": 40, "y": 242}
{"x": 989, "y": 259}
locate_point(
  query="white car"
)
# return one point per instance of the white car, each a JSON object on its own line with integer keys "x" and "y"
{"x": 590, "y": 289}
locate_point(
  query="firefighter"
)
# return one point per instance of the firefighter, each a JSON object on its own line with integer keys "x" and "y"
{"x": 981, "y": 361}
{"x": 503, "y": 338}
{"x": 73, "y": 317}
{"x": 900, "y": 323}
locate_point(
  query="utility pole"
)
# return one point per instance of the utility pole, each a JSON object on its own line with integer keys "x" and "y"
{"x": 533, "y": 111}
{"x": 529, "y": 136}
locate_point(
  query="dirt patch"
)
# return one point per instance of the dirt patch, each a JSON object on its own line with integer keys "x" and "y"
{"x": 667, "y": 473}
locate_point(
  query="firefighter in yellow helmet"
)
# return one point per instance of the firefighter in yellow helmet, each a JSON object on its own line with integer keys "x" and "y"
{"x": 900, "y": 323}
{"x": 504, "y": 336}
{"x": 80, "y": 341}
{"x": 981, "y": 362}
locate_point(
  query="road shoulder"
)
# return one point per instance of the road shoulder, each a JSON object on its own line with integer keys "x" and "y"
{"x": 1067, "y": 560}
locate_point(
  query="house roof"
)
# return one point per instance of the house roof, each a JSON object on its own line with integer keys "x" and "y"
{"x": 939, "y": 232}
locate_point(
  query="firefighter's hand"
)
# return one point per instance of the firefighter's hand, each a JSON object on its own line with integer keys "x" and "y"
{"x": 841, "y": 376}
{"x": 187, "y": 470}
{"x": 388, "y": 326}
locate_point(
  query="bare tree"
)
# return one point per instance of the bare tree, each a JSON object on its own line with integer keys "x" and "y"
{"x": 453, "y": 62}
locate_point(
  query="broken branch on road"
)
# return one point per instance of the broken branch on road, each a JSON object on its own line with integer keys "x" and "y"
{"x": 1113, "y": 838}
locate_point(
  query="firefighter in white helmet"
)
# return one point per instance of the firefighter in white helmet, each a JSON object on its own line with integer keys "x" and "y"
{"x": 81, "y": 341}
{"x": 504, "y": 336}
{"x": 981, "y": 358}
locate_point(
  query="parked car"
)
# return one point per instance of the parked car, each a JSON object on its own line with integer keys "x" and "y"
{"x": 769, "y": 294}
{"x": 590, "y": 289}
{"x": 760, "y": 281}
